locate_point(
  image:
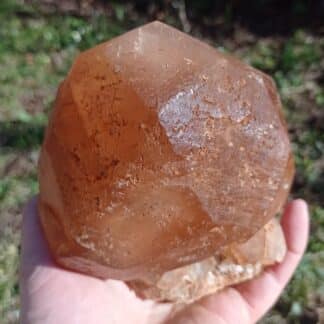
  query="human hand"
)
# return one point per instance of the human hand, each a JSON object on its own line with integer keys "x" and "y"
{"x": 50, "y": 294}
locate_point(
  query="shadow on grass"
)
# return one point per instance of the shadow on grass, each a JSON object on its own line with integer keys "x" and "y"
{"x": 21, "y": 135}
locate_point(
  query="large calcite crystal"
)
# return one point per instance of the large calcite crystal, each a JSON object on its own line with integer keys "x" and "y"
{"x": 164, "y": 164}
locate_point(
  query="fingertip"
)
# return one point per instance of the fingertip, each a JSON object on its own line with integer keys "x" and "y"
{"x": 300, "y": 204}
{"x": 295, "y": 223}
{"x": 30, "y": 221}
{"x": 33, "y": 245}
{"x": 297, "y": 207}
{"x": 31, "y": 205}
{"x": 29, "y": 215}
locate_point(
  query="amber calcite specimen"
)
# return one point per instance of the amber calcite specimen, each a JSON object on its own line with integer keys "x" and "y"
{"x": 160, "y": 152}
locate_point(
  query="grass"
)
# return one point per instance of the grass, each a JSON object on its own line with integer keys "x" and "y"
{"x": 36, "y": 50}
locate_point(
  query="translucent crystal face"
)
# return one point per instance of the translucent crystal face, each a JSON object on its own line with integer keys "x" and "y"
{"x": 160, "y": 150}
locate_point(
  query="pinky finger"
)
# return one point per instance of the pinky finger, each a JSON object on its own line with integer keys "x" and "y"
{"x": 262, "y": 292}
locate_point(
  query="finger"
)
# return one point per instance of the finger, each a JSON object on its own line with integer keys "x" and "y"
{"x": 34, "y": 248}
{"x": 34, "y": 257}
{"x": 247, "y": 302}
{"x": 262, "y": 292}
{"x": 295, "y": 224}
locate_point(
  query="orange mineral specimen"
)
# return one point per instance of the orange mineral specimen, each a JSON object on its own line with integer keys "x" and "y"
{"x": 161, "y": 152}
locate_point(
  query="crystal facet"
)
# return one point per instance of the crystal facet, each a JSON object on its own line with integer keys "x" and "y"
{"x": 160, "y": 152}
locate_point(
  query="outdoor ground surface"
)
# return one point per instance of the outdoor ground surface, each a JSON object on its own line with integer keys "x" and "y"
{"x": 37, "y": 46}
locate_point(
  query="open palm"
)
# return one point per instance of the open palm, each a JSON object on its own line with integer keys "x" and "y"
{"x": 50, "y": 294}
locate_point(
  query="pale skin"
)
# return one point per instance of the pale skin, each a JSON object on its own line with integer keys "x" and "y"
{"x": 50, "y": 294}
